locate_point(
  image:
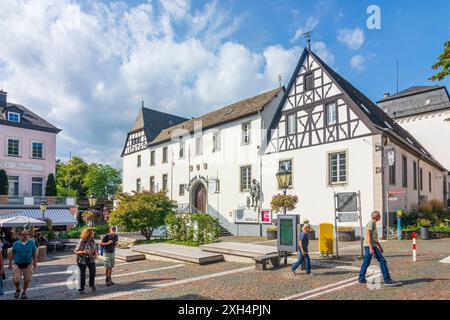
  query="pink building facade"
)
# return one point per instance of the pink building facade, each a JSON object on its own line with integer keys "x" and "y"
{"x": 27, "y": 149}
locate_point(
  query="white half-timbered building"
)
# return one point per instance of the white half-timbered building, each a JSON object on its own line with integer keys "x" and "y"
{"x": 320, "y": 127}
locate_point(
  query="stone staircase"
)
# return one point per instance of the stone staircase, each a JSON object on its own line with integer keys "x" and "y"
{"x": 224, "y": 232}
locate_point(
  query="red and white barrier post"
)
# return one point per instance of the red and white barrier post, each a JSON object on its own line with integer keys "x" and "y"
{"x": 414, "y": 246}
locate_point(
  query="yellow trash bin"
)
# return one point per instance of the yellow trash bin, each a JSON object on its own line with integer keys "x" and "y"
{"x": 326, "y": 238}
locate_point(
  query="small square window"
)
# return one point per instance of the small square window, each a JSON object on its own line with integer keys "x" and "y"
{"x": 14, "y": 117}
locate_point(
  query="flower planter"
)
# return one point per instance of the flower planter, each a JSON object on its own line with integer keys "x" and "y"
{"x": 272, "y": 234}
{"x": 424, "y": 233}
{"x": 51, "y": 200}
{"x": 4, "y": 198}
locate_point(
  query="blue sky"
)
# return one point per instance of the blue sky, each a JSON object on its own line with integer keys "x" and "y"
{"x": 87, "y": 65}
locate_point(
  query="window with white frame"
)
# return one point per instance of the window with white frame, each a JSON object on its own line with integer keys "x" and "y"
{"x": 216, "y": 141}
{"x": 331, "y": 113}
{"x": 139, "y": 160}
{"x": 291, "y": 124}
{"x": 182, "y": 189}
{"x": 37, "y": 186}
{"x": 152, "y": 184}
{"x": 164, "y": 155}
{"x": 13, "y": 184}
{"x": 246, "y": 133}
{"x": 199, "y": 145}
{"x": 13, "y": 147}
{"x": 182, "y": 145}
{"x": 246, "y": 178}
{"x": 164, "y": 182}
{"x": 37, "y": 150}
{"x": 337, "y": 163}
{"x": 285, "y": 165}
{"x": 14, "y": 117}
{"x": 138, "y": 185}
{"x": 152, "y": 158}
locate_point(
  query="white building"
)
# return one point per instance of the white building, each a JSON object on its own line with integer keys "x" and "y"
{"x": 327, "y": 133}
{"x": 423, "y": 111}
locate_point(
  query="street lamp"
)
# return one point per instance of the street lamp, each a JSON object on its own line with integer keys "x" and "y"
{"x": 43, "y": 206}
{"x": 92, "y": 203}
{"x": 284, "y": 179}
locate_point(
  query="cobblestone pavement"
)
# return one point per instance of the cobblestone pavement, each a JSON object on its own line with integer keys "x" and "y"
{"x": 425, "y": 279}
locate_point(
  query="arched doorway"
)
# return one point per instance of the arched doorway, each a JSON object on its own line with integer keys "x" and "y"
{"x": 199, "y": 197}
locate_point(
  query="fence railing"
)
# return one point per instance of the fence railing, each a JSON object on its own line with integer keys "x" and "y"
{"x": 186, "y": 208}
{"x": 34, "y": 201}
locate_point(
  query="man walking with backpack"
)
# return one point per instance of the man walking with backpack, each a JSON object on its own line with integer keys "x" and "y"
{"x": 108, "y": 244}
{"x": 373, "y": 248}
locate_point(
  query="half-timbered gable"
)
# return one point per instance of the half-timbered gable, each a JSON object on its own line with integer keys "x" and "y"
{"x": 315, "y": 110}
{"x": 148, "y": 124}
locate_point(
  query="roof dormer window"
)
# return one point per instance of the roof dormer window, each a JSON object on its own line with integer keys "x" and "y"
{"x": 14, "y": 116}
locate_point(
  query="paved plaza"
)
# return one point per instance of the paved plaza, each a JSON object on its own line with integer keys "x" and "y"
{"x": 425, "y": 279}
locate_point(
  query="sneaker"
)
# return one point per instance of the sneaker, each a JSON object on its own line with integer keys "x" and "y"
{"x": 311, "y": 274}
{"x": 81, "y": 291}
{"x": 392, "y": 283}
{"x": 293, "y": 272}
{"x": 362, "y": 281}
{"x": 108, "y": 281}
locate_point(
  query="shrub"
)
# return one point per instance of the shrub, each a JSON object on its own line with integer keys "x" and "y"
{"x": 4, "y": 186}
{"x": 424, "y": 223}
{"x": 143, "y": 211}
{"x": 50, "y": 187}
{"x": 193, "y": 228}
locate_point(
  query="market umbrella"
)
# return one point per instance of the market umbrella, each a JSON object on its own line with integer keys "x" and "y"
{"x": 21, "y": 221}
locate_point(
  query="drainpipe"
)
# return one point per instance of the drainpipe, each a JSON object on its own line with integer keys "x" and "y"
{"x": 260, "y": 165}
{"x": 419, "y": 179}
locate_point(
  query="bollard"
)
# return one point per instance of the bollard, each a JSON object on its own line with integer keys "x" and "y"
{"x": 414, "y": 246}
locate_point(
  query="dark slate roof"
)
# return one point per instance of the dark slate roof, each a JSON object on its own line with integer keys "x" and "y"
{"x": 411, "y": 91}
{"x": 29, "y": 120}
{"x": 416, "y": 100}
{"x": 375, "y": 118}
{"x": 229, "y": 113}
{"x": 153, "y": 122}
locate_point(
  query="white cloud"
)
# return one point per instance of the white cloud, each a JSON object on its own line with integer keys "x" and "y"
{"x": 352, "y": 38}
{"x": 321, "y": 49}
{"x": 310, "y": 24}
{"x": 357, "y": 62}
{"x": 86, "y": 67}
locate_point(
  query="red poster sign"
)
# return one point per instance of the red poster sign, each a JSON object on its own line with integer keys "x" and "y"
{"x": 266, "y": 216}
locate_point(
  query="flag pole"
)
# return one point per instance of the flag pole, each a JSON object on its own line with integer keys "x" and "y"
{"x": 189, "y": 175}
{"x": 171, "y": 177}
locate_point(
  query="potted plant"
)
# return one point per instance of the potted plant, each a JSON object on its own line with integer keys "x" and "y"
{"x": 424, "y": 225}
{"x": 281, "y": 202}
{"x": 272, "y": 233}
{"x": 88, "y": 217}
{"x": 4, "y": 187}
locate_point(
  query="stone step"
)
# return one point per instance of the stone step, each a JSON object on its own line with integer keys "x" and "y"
{"x": 177, "y": 252}
{"x": 128, "y": 255}
{"x": 239, "y": 249}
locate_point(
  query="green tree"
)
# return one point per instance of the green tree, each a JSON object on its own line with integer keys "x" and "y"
{"x": 443, "y": 62}
{"x": 78, "y": 170}
{"x": 103, "y": 180}
{"x": 144, "y": 212}
{"x": 50, "y": 188}
{"x": 4, "y": 186}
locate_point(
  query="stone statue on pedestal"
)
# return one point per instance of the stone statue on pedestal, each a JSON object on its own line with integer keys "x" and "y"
{"x": 255, "y": 193}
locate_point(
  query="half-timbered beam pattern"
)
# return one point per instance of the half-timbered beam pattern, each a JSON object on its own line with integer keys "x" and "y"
{"x": 310, "y": 109}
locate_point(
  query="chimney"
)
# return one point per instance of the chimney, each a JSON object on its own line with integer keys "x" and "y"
{"x": 386, "y": 94}
{"x": 3, "y": 95}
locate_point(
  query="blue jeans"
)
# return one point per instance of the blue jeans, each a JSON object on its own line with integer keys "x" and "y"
{"x": 302, "y": 257}
{"x": 381, "y": 260}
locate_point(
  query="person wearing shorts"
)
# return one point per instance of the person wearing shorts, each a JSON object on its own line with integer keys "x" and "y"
{"x": 109, "y": 243}
{"x": 23, "y": 254}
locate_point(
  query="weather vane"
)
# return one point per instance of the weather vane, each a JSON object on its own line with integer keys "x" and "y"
{"x": 307, "y": 36}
